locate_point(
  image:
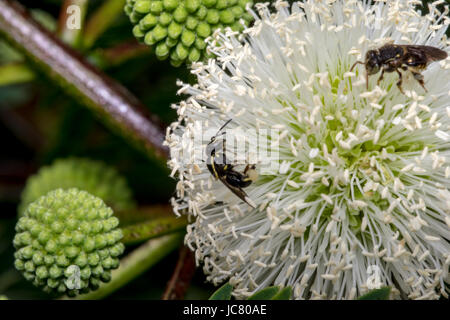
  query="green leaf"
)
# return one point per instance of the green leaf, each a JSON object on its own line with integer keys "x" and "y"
{"x": 223, "y": 293}
{"x": 284, "y": 294}
{"x": 265, "y": 294}
{"x": 377, "y": 294}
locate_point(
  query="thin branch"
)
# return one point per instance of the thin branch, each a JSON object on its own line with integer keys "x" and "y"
{"x": 181, "y": 277}
{"x": 115, "y": 105}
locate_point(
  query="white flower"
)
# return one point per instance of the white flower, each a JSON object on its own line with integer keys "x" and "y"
{"x": 363, "y": 176}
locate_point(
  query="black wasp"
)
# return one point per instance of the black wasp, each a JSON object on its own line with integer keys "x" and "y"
{"x": 232, "y": 179}
{"x": 393, "y": 57}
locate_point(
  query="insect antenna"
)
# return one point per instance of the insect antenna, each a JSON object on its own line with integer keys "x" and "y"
{"x": 354, "y": 65}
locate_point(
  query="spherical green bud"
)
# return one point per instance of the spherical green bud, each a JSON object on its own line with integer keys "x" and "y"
{"x": 192, "y": 5}
{"x": 148, "y": 39}
{"x": 201, "y": 12}
{"x": 221, "y": 4}
{"x": 162, "y": 51}
{"x": 187, "y": 37}
{"x": 226, "y": 17}
{"x": 171, "y": 42}
{"x": 92, "y": 176}
{"x": 93, "y": 259}
{"x": 171, "y": 5}
{"x": 137, "y": 32}
{"x": 62, "y": 261}
{"x": 29, "y": 266}
{"x": 19, "y": 264}
{"x": 180, "y": 14}
{"x": 75, "y": 236}
{"x": 156, "y": 7}
{"x": 116, "y": 250}
{"x": 38, "y": 258}
{"x": 209, "y": 3}
{"x": 237, "y": 11}
{"x": 203, "y": 29}
{"x": 182, "y": 51}
{"x": 135, "y": 16}
{"x": 42, "y": 272}
{"x": 213, "y": 16}
{"x": 142, "y": 6}
{"x": 148, "y": 22}
{"x": 191, "y": 23}
{"x": 89, "y": 245}
{"x": 159, "y": 33}
{"x": 165, "y": 18}
{"x": 194, "y": 55}
{"x": 200, "y": 44}
{"x": 174, "y": 30}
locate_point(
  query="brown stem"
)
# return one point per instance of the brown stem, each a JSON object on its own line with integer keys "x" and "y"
{"x": 115, "y": 105}
{"x": 181, "y": 277}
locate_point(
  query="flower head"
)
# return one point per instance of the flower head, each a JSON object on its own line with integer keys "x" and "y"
{"x": 178, "y": 28}
{"x": 67, "y": 241}
{"x": 361, "y": 185}
{"x": 92, "y": 176}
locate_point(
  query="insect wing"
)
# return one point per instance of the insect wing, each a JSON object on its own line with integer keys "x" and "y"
{"x": 430, "y": 53}
{"x": 237, "y": 191}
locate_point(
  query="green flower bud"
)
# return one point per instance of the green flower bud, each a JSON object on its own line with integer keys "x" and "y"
{"x": 191, "y": 23}
{"x": 203, "y": 29}
{"x": 194, "y": 55}
{"x": 192, "y": 5}
{"x": 142, "y": 6}
{"x": 162, "y": 51}
{"x": 149, "y": 21}
{"x": 148, "y": 39}
{"x": 174, "y": 30}
{"x": 184, "y": 24}
{"x": 226, "y": 17}
{"x": 137, "y": 32}
{"x": 209, "y": 3}
{"x": 156, "y": 7}
{"x": 171, "y": 5}
{"x": 201, "y": 12}
{"x": 159, "y": 33}
{"x": 165, "y": 18}
{"x": 187, "y": 38}
{"x": 171, "y": 42}
{"x": 221, "y": 4}
{"x": 213, "y": 16}
{"x": 61, "y": 254}
{"x": 182, "y": 51}
{"x": 92, "y": 176}
{"x": 200, "y": 44}
{"x": 180, "y": 14}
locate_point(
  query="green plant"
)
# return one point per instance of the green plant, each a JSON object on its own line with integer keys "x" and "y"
{"x": 178, "y": 28}
{"x": 63, "y": 233}
{"x": 92, "y": 176}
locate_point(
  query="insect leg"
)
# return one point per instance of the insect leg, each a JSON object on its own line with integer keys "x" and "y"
{"x": 400, "y": 81}
{"x": 381, "y": 76}
{"x": 357, "y": 62}
{"x": 419, "y": 77}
